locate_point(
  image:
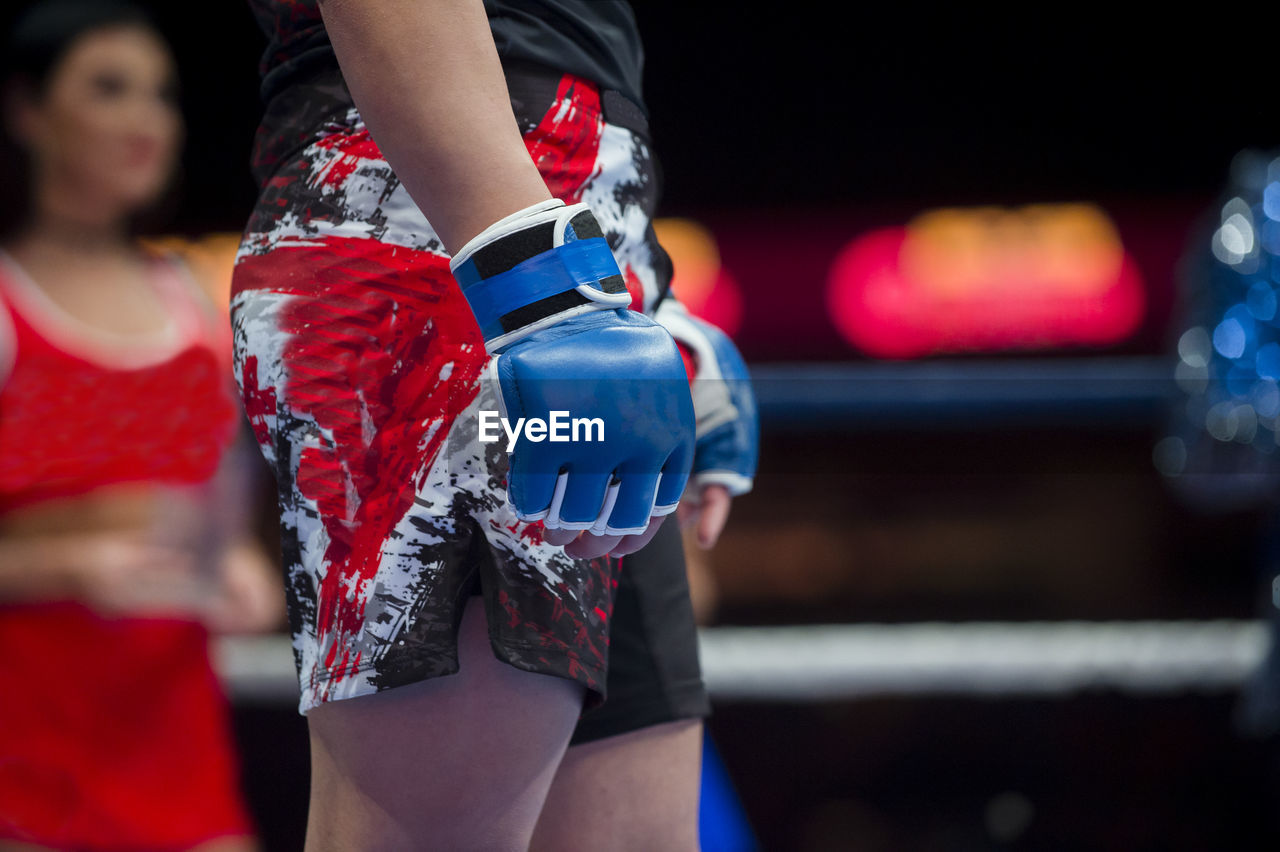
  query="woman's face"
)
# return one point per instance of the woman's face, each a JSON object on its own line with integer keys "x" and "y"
{"x": 107, "y": 126}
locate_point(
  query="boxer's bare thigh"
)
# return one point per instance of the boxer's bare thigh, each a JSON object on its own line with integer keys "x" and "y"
{"x": 456, "y": 762}
{"x": 635, "y": 791}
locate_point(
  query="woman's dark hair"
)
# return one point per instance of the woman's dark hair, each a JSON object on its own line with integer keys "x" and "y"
{"x": 44, "y": 33}
{"x": 37, "y": 41}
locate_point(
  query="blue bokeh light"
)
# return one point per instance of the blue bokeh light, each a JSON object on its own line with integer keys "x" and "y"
{"x": 1261, "y": 301}
{"x": 1267, "y": 361}
{"x": 1229, "y": 338}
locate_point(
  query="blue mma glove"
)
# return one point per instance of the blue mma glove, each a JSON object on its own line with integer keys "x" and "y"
{"x": 728, "y": 426}
{"x": 552, "y": 306}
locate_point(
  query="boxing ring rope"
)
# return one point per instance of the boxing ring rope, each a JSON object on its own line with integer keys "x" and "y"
{"x": 979, "y": 658}
{"x": 992, "y": 659}
{"x": 841, "y": 662}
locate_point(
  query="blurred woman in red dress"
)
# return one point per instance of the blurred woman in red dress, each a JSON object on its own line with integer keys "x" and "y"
{"x": 121, "y": 538}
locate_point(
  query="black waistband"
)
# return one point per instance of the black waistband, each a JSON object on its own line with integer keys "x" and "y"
{"x": 525, "y": 80}
{"x": 298, "y": 111}
{"x": 540, "y": 82}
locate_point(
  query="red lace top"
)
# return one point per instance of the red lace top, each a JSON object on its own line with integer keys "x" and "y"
{"x": 81, "y": 408}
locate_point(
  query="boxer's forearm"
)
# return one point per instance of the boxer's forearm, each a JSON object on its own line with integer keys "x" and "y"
{"x": 426, "y": 78}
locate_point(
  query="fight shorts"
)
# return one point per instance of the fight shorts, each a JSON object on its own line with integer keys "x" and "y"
{"x": 362, "y": 374}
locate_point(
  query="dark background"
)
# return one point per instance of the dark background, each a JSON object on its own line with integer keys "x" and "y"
{"x": 828, "y": 105}
{"x": 794, "y": 116}
{"x": 800, "y": 131}
{"x": 803, "y": 112}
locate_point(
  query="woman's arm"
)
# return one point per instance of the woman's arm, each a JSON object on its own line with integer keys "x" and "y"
{"x": 8, "y": 346}
{"x": 110, "y": 570}
{"x": 35, "y": 569}
{"x": 247, "y": 594}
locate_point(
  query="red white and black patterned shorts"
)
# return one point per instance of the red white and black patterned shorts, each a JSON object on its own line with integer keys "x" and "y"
{"x": 360, "y": 366}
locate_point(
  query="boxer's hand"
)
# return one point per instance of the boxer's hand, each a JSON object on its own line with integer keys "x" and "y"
{"x": 707, "y": 512}
{"x": 728, "y": 429}
{"x": 583, "y": 545}
{"x": 551, "y": 304}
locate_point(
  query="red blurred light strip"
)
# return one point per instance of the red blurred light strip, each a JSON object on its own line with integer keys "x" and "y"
{"x": 986, "y": 280}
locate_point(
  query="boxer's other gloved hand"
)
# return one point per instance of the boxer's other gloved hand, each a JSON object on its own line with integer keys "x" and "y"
{"x": 552, "y": 306}
{"x": 728, "y": 426}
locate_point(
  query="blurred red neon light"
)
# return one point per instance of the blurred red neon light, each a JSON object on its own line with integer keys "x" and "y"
{"x": 987, "y": 279}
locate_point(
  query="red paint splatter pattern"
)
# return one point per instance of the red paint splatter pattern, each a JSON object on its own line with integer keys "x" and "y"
{"x": 362, "y": 371}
